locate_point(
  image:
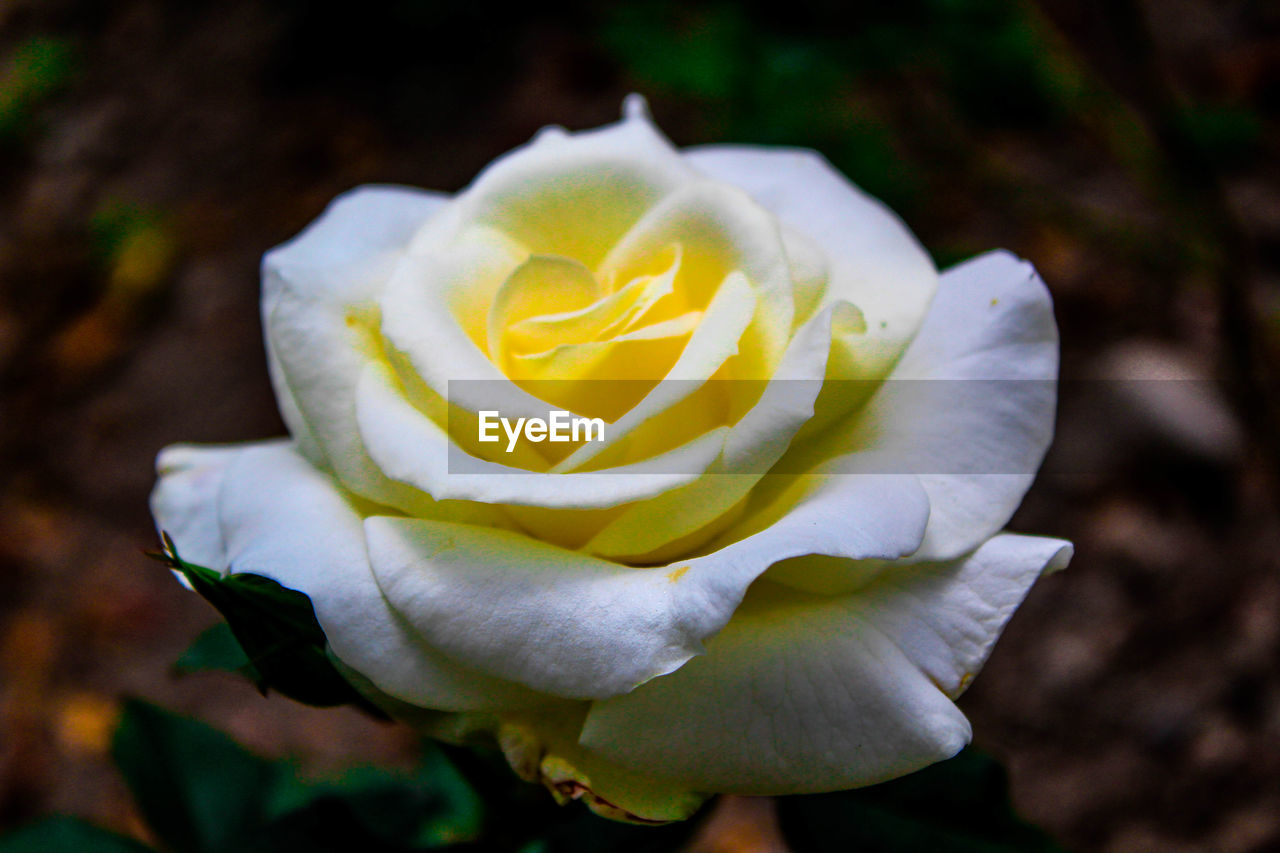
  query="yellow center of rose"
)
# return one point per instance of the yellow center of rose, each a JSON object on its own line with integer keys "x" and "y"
{"x": 559, "y": 331}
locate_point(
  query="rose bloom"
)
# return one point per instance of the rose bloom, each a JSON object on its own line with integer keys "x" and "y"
{"x": 779, "y": 568}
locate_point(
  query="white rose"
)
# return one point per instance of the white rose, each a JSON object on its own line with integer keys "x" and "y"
{"x": 645, "y": 620}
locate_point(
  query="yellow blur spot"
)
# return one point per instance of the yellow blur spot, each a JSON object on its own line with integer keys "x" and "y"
{"x": 85, "y": 722}
{"x": 141, "y": 262}
{"x": 677, "y": 573}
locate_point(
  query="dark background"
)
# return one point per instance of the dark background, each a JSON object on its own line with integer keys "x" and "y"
{"x": 150, "y": 153}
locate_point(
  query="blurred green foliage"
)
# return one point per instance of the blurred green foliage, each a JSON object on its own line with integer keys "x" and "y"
{"x": 761, "y": 86}
{"x": 37, "y": 68}
{"x": 116, "y": 223}
{"x": 200, "y": 792}
{"x": 136, "y": 248}
{"x": 1230, "y": 136}
{"x": 66, "y": 834}
{"x": 807, "y": 73}
{"x": 956, "y": 806}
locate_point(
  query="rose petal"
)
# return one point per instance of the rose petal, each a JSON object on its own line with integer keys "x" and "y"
{"x": 430, "y": 347}
{"x": 556, "y": 620}
{"x": 753, "y": 445}
{"x": 567, "y": 623}
{"x": 318, "y": 292}
{"x": 185, "y": 496}
{"x": 279, "y": 517}
{"x": 803, "y": 693}
{"x": 616, "y": 313}
{"x": 411, "y": 448}
{"x": 541, "y": 285}
{"x": 874, "y": 261}
{"x": 970, "y": 407}
{"x": 720, "y": 231}
{"x": 568, "y": 194}
{"x": 716, "y": 340}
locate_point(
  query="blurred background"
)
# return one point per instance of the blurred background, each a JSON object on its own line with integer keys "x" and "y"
{"x": 151, "y": 152}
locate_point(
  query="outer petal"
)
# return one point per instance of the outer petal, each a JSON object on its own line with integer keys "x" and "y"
{"x": 184, "y": 501}
{"x": 569, "y": 194}
{"x": 319, "y": 292}
{"x": 948, "y": 616}
{"x": 874, "y": 261}
{"x": 277, "y": 516}
{"x": 805, "y": 693}
{"x": 578, "y": 626}
{"x": 970, "y": 407}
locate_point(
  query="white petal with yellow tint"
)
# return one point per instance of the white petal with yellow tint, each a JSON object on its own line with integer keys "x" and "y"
{"x": 276, "y": 515}
{"x": 754, "y": 444}
{"x": 543, "y": 284}
{"x": 715, "y": 340}
{"x": 720, "y": 231}
{"x": 432, "y": 342}
{"x": 185, "y": 496}
{"x": 569, "y": 194}
{"x": 320, "y": 291}
{"x": 873, "y": 259}
{"x": 804, "y": 693}
{"x": 809, "y": 273}
{"x": 970, "y": 407}
{"x": 465, "y": 276}
{"x": 577, "y": 626}
{"x": 411, "y": 448}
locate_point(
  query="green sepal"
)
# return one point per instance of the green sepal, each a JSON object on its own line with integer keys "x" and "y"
{"x": 217, "y": 649}
{"x": 284, "y": 648}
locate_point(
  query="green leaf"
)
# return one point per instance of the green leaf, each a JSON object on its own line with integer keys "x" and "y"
{"x": 200, "y": 792}
{"x": 198, "y": 789}
{"x": 277, "y": 629}
{"x": 429, "y": 807}
{"x": 956, "y": 806}
{"x": 68, "y": 835}
{"x": 459, "y": 811}
{"x": 217, "y": 649}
